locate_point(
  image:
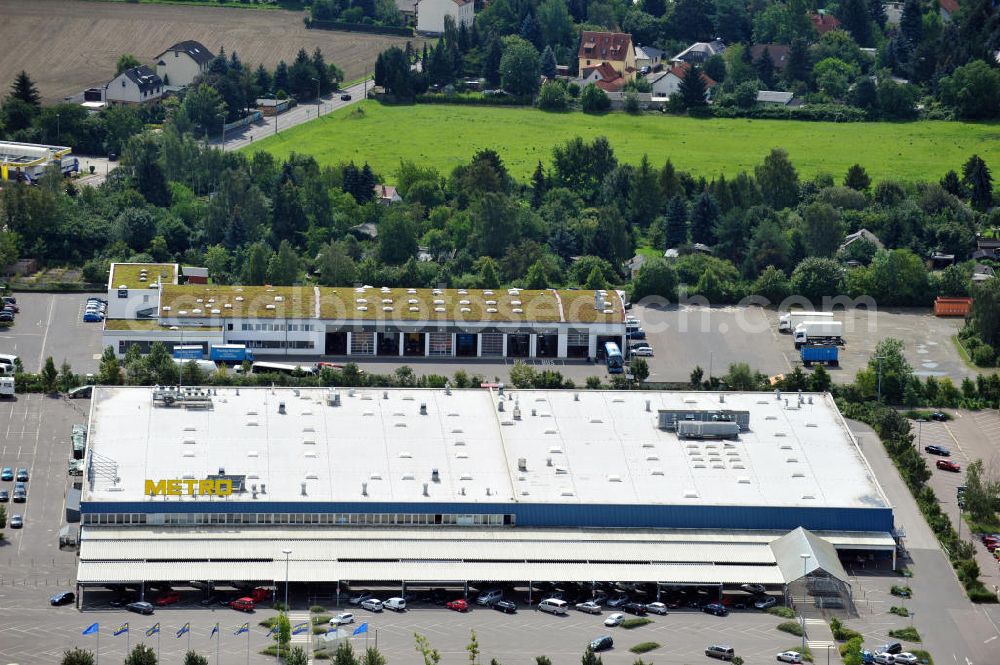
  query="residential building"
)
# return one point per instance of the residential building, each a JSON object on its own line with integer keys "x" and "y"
{"x": 408, "y": 9}
{"x": 824, "y": 22}
{"x": 605, "y": 77}
{"x": 431, "y": 13}
{"x": 893, "y": 12}
{"x": 699, "y": 52}
{"x": 138, "y": 85}
{"x": 183, "y": 62}
{"x": 612, "y": 48}
{"x": 777, "y": 52}
{"x": 668, "y": 82}
{"x": 775, "y": 97}
{"x": 947, "y": 8}
{"x": 387, "y": 195}
{"x": 863, "y": 234}
{"x": 647, "y": 56}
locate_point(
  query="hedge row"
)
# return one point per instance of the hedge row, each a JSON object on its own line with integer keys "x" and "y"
{"x": 359, "y": 27}
{"x": 813, "y": 112}
{"x": 472, "y": 100}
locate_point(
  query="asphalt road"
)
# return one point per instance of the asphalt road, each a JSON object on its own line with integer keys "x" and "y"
{"x": 51, "y": 324}
{"x": 241, "y": 138}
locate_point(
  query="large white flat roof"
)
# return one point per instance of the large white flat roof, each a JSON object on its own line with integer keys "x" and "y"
{"x": 584, "y": 447}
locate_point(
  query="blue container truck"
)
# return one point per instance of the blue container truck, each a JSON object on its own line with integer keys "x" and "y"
{"x": 827, "y": 355}
{"x": 189, "y": 352}
{"x": 230, "y": 353}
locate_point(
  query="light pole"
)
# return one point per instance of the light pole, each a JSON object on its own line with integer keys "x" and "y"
{"x": 879, "y": 359}
{"x": 287, "y": 553}
{"x": 317, "y": 96}
{"x": 58, "y": 127}
{"x": 805, "y": 559}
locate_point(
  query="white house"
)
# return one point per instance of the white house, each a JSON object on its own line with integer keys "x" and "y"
{"x": 647, "y": 56}
{"x": 138, "y": 85}
{"x": 183, "y": 62}
{"x": 431, "y": 13}
{"x": 668, "y": 82}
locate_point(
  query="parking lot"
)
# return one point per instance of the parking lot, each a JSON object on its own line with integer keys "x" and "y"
{"x": 713, "y": 338}
{"x": 51, "y": 324}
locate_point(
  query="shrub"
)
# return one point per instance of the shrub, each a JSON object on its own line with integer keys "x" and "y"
{"x": 909, "y": 634}
{"x": 321, "y": 619}
{"x": 983, "y": 355}
{"x": 792, "y": 627}
{"x": 317, "y": 609}
{"x": 321, "y": 655}
{"x": 899, "y": 611}
{"x": 783, "y": 612}
{"x": 643, "y": 647}
{"x": 922, "y": 656}
{"x": 842, "y": 633}
{"x": 901, "y": 591}
{"x": 636, "y": 622}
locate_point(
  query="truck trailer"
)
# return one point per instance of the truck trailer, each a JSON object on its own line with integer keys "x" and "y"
{"x": 811, "y": 332}
{"x": 788, "y": 321}
{"x": 823, "y": 354}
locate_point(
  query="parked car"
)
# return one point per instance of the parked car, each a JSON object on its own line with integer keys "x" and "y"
{"x": 489, "y": 597}
{"x": 458, "y": 605}
{"x": 938, "y": 416}
{"x": 62, "y": 598}
{"x": 589, "y": 606}
{"x": 505, "y": 606}
{"x": 906, "y": 658}
{"x": 346, "y": 97}
{"x": 935, "y": 449}
{"x": 140, "y": 607}
{"x": 83, "y": 392}
{"x": 656, "y": 608}
{"x": 766, "y": 602}
{"x": 20, "y": 496}
{"x": 790, "y": 657}
{"x": 372, "y": 604}
{"x": 637, "y": 609}
{"x": 342, "y": 619}
{"x": 92, "y": 317}
{"x": 643, "y": 352}
{"x": 6, "y": 317}
{"x": 260, "y": 593}
{"x": 614, "y": 619}
{"x": 948, "y": 465}
{"x": 16, "y": 522}
{"x": 720, "y": 651}
{"x": 396, "y": 604}
{"x": 637, "y": 333}
{"x": 891, "y": 647}
{"x": 11, "y": 307}
{"x": 244, "y": 604}
{"x": 883, "y": 658}
{"x": 602, "y": 643}
{"x": 617, "y": 601}
{"x": 4, "y": 496}
{"x": 359, "y": 597}
{"x": 21, "y": 476}
{"x": 718, "y": 609}
{"x": 169, "y": 598}
{"x": 7, "y": 473}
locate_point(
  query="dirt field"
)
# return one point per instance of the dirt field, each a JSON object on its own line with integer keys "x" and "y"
{"x": 70, "y": 45}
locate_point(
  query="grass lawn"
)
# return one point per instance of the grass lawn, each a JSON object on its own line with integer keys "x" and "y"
{"x": 445, "y": 136}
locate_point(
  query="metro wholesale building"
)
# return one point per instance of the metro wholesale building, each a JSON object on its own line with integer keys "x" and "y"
{"x": 447, "y": 487}
{"x": 148, "y": 304}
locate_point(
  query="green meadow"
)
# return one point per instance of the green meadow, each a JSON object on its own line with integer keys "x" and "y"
{"x": 445, "y": 136}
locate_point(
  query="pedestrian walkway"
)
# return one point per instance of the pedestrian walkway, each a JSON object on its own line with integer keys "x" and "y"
{"x": 819, "y": 638}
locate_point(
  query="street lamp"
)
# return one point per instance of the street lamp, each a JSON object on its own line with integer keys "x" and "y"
{"x": 805, "y": 559}
{"x": 287, "y": 553}
{"x": 879, "y": 359}
{"x": 58, "y": 129}
{"x": 920, "y": 428}
{"x": 317, "y": 96}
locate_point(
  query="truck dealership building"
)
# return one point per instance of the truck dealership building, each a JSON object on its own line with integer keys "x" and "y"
{"x": 429, "y": 487}
{"x": 148, "y": 304}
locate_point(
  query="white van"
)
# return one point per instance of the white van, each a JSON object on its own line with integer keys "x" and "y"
{"x": 553, "y": 606}
{"x": 8, "y": 359}
{"x": 6, "y": 386}
{"x": 395, "y": 604}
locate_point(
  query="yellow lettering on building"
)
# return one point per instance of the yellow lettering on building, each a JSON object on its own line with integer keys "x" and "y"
{"x": 154, "y": 487}
{"x": 174, "y": 487}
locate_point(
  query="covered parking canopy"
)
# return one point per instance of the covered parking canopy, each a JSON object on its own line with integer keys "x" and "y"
{"x": 812, "y": 570}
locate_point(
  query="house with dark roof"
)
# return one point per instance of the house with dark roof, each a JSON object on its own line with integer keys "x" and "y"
{"x": 668, "y": 82}
{"x": 699, "y": 52}
{"x": 138, "y": 85}
{"x": 947, "y": 8}
{"x": 777, "y": 52}
{"x": 183, "y": 62}
{"x": 612, "y": 48}
{"x": 648, "y": 56}
{"x": 824, "y": 22}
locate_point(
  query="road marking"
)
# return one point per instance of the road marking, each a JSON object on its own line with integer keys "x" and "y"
{"x": 45, "y": 337}
{"x": 987, "y": 641}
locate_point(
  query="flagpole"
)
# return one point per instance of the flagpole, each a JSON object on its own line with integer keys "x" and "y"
{"x": 218, "y": 641}
{"x": 248, "y": 647}
{"x": 98, "y": 654}
{"x": 189, "y": 638}
{"x": 128, "y": 640}
{"x": 157, "y": 646}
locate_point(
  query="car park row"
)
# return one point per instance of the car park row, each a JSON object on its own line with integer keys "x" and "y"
{"x": 18, "y": 495}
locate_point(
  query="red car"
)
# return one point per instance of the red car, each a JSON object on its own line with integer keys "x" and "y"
{"x": 168, "y": 598}
{"x": 948, "y": 465}
{"x": 243, "y": 604}
{"x": 260, "y": 593}
{"x": 458, "y": 605}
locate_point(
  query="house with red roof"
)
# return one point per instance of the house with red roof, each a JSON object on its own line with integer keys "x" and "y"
{"x": 611, "y": 48}
{"x": 668, "y": 82}
{"x": 947, "y": 8}
{"x": 824, "y": 22}
{"x": 605, "y": 77}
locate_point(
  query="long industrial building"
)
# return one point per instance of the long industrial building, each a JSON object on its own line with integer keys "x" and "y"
{"x": 148, "y": 304}
{"x": 414, "y": 486}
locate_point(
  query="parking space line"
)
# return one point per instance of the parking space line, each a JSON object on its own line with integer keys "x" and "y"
{"x": 45, "y": 336}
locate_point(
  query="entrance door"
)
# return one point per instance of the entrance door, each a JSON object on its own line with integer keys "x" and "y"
{"x": 413, "y": 344}
{"x": 388, "y": 344}
{"x": 336, "y": 344}
{"x": 518, "y": 345}
{"x": 465, "y": 345}
{"x": 547, "y": 346}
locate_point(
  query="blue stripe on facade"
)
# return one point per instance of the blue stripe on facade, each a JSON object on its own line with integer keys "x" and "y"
{"x": 555, "y": 515}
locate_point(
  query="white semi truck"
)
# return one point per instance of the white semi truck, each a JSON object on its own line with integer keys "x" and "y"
{"x": 788, "y": 321}
{"x": 810, "y": 332}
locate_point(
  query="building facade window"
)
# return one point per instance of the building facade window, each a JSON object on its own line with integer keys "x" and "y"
{"x": 284, "y": 519}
